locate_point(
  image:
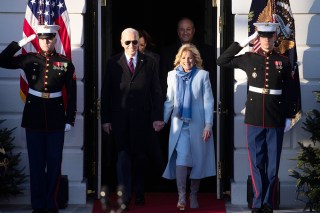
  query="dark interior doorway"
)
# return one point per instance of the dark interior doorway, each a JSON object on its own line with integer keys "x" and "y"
{"x": 153, "y": 17}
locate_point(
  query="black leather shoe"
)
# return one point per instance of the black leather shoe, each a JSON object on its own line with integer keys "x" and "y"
{"x": 53, "y": 211}
{"x": 39, "y": 211}
{"x": 140, "y": 201}
{"x": 267, "y": 209}
{"x": 125, "y": 206}
{"x": 256, "y": 210}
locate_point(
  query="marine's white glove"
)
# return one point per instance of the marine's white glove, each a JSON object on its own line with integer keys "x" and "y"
{"x": 243, "y": 111}
{"x": 67, "y": 127}
{"x": 24, "y": 41}
{"x": 247, "y": 40}
{"x": 287, "y": 126}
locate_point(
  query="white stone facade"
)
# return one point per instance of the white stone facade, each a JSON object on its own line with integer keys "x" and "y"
{"x": 307, "y": 24}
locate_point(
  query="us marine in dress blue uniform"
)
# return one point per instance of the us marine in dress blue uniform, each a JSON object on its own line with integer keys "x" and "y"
{"x": 270, "y": 106}
{"x": 45, "y": 116}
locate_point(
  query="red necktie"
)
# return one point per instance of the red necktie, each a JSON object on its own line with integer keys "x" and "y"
{"x": 131, "y": 66}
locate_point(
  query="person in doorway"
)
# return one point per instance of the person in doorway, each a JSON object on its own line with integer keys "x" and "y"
{"x": 270, "y": 106}
{"x": 45, "y": 117}
{"x": 131, "y": 108}
{"x": 186, "y": 35}
{"x": 146, "y": 45}
{"x": 186, "y": 31}
{"x": 189, "y": 103}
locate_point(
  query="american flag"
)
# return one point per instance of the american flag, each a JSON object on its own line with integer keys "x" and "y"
{"x": 45, "y": 12}
{"x": 256, "y": 9}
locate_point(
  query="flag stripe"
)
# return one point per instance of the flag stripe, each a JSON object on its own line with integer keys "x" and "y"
{"x": 257, "y": 8}
{"x": 64, "y": 36}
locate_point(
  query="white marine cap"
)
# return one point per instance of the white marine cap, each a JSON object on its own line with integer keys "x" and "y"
{"x": 266, "y": 29}
{"x": 47, "y": 31}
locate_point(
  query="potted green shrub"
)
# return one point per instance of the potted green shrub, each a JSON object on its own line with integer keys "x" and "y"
{"x": 11, "y": 174}
{"x": 307, "y": 171}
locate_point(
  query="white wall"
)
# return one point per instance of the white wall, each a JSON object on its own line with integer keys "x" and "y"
{"x": 307, "y": 18}
{"x": 11, "y": 22}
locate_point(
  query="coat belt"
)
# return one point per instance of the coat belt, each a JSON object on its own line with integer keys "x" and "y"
{"x": 45, "y": 94}
{"x": 265, "y": 90}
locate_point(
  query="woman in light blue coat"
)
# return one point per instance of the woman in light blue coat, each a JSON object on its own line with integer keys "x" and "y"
{"x": 190, "y": 105}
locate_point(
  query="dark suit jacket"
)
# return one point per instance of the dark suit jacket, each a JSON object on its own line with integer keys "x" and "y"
{"x": 154, "y": 55}
{"x": 131, "y": 103}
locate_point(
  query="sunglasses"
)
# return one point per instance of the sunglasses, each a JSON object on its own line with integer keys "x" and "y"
{"x": 134, "y": 42}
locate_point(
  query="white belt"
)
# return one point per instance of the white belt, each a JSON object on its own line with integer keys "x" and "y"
{"x": 45, "y": 94}
{"x": 265, "y": 90}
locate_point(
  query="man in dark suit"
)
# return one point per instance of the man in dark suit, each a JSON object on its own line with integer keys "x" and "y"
{"x": 146, "y": 45}
{"x": 131, "y": 108}
{"x": 45, "y": 117}
{"x": 272, "y": 102}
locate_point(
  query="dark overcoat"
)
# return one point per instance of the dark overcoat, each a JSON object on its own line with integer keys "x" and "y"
{"x": 131, "y": 102}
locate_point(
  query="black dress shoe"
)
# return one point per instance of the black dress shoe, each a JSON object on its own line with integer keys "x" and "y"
{"x": 140, "y": 201}
{"x": 39, "y": 211}
{"x": 125, "y": 206}
{"x": 267, "y": 209}
{"x": 54, "y": 210}
{"x": 256, "y": 210}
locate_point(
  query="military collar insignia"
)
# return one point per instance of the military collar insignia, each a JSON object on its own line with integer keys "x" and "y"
{"x": 262, "y": 52}
{"x": 47, "y": 54}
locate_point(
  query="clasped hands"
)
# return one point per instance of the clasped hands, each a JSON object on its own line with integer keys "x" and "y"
{"x": 158, "y": 125}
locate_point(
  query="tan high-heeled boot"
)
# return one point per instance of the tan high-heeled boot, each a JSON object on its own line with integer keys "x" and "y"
{"x": 181, "y": 178}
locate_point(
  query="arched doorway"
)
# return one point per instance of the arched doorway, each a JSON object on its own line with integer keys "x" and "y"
{"x": 150, "y": 16}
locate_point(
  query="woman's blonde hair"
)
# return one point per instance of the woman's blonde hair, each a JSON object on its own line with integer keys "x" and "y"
{"x": 195, "y": 52}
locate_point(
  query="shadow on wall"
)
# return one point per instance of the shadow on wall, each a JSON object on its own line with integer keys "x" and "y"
{"x": 311, "y": 56}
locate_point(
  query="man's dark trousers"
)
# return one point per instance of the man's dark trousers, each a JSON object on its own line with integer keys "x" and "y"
{"x": 45, "y": 157}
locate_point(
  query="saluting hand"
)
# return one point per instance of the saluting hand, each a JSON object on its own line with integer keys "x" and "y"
{"x": 249, "y": 39}
{"x": 24, "y": 41}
